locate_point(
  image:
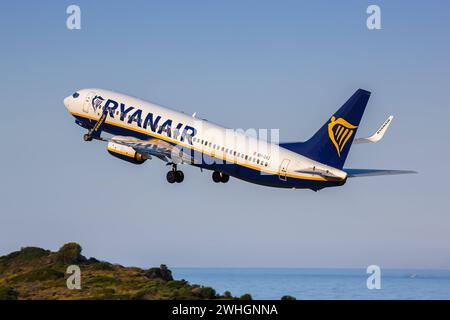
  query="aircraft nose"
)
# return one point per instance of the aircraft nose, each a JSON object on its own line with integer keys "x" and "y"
{"x": 67, "y": 101}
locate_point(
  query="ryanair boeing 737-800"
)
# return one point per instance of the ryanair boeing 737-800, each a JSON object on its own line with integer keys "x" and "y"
{"x": 141, "y": 130}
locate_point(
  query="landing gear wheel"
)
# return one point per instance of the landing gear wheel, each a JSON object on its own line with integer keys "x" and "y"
{"x": 224, "y": 178}
{"x": 171, "y": 176}
{"x": 216, "y": 177}
{"x": 87, "y": 137}
{"x": 220, "y": 177}
{"x": 179, "y": 176}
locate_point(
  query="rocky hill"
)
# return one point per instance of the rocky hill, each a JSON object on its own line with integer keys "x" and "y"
{"x": 35, "y": 273}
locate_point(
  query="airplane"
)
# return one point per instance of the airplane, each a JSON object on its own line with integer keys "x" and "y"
{"x": 140, "y": 130}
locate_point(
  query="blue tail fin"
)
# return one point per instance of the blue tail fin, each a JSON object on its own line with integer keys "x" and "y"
{"x": 331, "y": 144}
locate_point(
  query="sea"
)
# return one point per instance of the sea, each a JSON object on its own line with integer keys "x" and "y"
{"x": 322, "y": 284}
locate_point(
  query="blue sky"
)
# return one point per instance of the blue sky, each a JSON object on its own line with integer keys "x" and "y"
{"x": 244, "y": 64}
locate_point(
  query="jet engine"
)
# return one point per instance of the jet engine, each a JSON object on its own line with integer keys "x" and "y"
{"x": 125, "y": 153}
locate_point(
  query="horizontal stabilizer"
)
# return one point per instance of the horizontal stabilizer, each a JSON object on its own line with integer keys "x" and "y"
{"x": 322, "y": 173}
{"x": 355, "y": 173}
{"x": 377, "y": 136}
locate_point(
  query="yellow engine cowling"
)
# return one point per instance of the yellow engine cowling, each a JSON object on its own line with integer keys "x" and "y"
{"x": 125, "y": 153}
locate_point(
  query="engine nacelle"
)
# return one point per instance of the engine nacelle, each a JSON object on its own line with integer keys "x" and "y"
{"x": 125, "y": 153}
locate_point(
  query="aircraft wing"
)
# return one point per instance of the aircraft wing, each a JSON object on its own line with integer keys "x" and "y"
{"x": 154, "y": 147}
{"x": 355, "y": 173}
{"x": 378, "y": 135}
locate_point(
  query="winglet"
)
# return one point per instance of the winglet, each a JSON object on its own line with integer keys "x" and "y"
{"x": 377, "y": 136}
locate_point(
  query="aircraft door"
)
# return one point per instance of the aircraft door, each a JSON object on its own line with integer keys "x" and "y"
{"x": 283, "y": 169}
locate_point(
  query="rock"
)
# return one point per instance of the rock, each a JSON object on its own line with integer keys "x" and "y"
{"x": 159, "y": 273}
{"x": 166, "y": 273}
{"x": 70, "y": 253}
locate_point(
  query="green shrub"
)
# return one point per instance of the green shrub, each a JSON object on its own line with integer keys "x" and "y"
{"x": 204, "y": 292}
{"x": 101, "y": 281}
{"x": 44, "y": 274}
{"x": 25, "y": 255}
{"x": 70, "y": 253}
{"x": 177, "y": 284}
{"x": 184, "y": 293}
{"x": 246, "y": 297}
{"x": 8, "y": 293}
{"x": 288, "y": 298}
{"x": 145, "y": 293}
{"x": 101, "y": 265}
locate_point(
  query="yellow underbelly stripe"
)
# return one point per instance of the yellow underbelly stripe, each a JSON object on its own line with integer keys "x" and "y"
{"x": 290, "y": 175}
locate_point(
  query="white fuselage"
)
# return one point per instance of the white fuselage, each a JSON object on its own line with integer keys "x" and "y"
{"x": 213, "y": 142}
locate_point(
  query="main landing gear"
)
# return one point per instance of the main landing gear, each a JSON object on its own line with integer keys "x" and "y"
{"x": 175, "y": 175}
{"x": 220, "y": 177}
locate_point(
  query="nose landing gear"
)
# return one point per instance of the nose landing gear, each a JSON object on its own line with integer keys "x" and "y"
{"x": 96, "y": 130}
{"x": 87, "y": 137}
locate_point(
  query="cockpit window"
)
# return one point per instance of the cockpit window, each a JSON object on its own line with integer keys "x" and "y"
{"x": 76, "y": 95}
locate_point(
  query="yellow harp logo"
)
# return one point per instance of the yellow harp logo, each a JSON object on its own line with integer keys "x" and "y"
{"x": 340, "y": 132}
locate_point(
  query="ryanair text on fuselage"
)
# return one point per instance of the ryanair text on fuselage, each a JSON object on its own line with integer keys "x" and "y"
{"x": 149, "y": 121}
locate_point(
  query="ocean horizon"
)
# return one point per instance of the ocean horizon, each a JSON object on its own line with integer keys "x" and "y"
{"x": 321, "y": 283}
